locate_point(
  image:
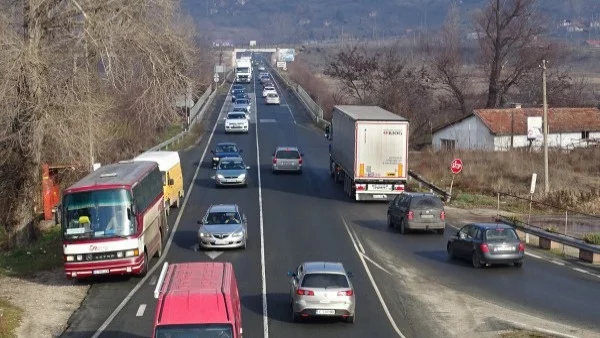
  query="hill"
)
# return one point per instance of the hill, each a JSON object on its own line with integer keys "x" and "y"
{"x": 296, "y": 21}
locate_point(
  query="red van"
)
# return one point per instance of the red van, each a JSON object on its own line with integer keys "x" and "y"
{"x": 197, "y": 300}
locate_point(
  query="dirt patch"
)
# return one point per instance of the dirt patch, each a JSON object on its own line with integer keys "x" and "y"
{"x": 47, "y": 300}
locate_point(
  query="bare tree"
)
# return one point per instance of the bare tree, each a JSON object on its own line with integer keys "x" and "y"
{"x": 446, "y": 63}
{"x": 73, "y": 72}
{"x": 509, "y": 34}
{"x": 356, "y": 70}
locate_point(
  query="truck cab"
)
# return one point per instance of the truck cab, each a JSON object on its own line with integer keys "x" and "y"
{"x": 198, "y": 299}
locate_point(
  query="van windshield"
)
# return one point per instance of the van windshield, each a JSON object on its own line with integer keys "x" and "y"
{"x": 195, "y": 331}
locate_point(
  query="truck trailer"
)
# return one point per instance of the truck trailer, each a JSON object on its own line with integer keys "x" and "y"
{"x": 368, "y": 152}
{"x": 243, "y": 70}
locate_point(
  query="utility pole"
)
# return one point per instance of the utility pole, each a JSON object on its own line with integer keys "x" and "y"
{"x": 546, "y": 182}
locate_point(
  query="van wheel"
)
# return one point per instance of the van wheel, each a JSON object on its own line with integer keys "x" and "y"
{"x": 144, "y": 271}
{"x": 159, "y": 252}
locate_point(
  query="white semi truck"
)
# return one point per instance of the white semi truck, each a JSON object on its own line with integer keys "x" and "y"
{"x": 243, "y": 70}
{"x": 368, "y": 152}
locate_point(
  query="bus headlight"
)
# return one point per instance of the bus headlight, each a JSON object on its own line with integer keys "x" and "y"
{"x": 132, "y": 253}
{"x": 120, "y": 254}
{"x": 79, "y": 257}
{"x": 69, "y": 258}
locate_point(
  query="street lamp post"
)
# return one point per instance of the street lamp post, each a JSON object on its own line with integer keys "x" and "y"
{"x": 546, "y": 181}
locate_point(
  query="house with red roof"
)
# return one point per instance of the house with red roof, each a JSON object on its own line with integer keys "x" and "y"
{"x": 509, "y": 128}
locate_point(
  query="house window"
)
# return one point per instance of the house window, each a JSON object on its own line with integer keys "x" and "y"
{"x": 448, "y": 144}
{"x": 585, "y": 135}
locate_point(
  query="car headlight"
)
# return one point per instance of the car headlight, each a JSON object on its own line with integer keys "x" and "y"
{"x": 215, "y": 159}
{"x": 242, "y": 176}
{"x": 219, "y": 176}
{"x": 204, "y": 234}
{"x": 237, "y": 234}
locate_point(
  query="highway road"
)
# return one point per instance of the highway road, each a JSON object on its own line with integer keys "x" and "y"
{"x": 307, "y": 217}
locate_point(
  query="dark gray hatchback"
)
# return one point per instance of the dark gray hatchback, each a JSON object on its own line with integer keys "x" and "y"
{"x": 487, "y": 244}
{"x": 417, "y": 211}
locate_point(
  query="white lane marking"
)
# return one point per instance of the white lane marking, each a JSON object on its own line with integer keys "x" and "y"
{"x": 377, "y": 264}
{"x": 533, "y": 255}
{"x": 153, "y": 280}
{"x": 362, "y": 259}
{"x": 268, "y": 120}
{"x": 557, "y": 263}
{"x": 213, "y": 254}
{"x": 158, "y": 264}
{"x": 263, "y": 272}
{"x": 582, "y": 270}
{"x": 140, "y": 311}
{"x": 281, "y": 96}
{"x": 362, "y": 249}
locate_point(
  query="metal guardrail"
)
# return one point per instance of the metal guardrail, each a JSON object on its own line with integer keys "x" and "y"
{"x": 196, "y": 114}
{"x": 443, "y": 193}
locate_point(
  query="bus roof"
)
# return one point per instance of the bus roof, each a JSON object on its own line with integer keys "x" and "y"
{"x": 117, "y": 174}
{"x": 196, "y": 293}
{"x": 165, "y": 159}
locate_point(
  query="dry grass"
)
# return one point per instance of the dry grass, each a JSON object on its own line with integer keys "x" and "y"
{"x": 10, "y": 318}
{"x": 574, "y": 180}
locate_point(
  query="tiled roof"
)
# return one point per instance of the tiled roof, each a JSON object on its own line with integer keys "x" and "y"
{"x": 560, "y": 120}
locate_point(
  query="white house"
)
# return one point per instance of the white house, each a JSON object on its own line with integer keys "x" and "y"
{"x": 496, "y": 129}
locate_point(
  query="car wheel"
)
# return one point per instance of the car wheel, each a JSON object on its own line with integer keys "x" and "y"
{"x": 518, "y": 264}
{"x": 476, "y": 260}
{"x": 440, "y": 231}
{"x": 450, "y": 251}
{"x": 351, "y": 319}
{"x": 403, "y": 227}
{"x": 390, "y": 223}
{"x": 245, "y": 244}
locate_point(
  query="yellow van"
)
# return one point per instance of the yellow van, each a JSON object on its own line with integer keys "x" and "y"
{"x": 170, "y": 166}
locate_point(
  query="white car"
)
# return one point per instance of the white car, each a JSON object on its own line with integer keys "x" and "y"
{"x": 268, "y": 90}
{"x": 272, "y": 98}
{"x": 236, "y": 122}
{"x": 261, "y": 68}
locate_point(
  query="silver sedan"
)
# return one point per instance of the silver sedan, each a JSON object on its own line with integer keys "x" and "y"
{"x": 223, "y": 226}
{"x": 231, "y": 171}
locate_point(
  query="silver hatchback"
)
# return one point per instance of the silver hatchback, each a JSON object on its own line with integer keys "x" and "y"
{"x": 231, "y": 171}
{"x": 322, "y": 289}
{"x": 287, "y": 159}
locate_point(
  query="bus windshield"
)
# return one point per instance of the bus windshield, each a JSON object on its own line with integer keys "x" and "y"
{"x": 97, "y": 214}
{"x": 195, "y": 331}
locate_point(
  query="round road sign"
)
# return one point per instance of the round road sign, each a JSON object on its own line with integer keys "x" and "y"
{"x": 216, "y": 77}
{"x": 456, "y": 166}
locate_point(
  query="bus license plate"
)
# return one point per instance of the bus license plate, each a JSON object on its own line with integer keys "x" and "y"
{"x": 325, "y": 312}
{"x": 101, "y": 272}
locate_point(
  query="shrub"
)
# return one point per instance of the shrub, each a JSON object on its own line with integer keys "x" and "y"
{"x": 592, "y": 238}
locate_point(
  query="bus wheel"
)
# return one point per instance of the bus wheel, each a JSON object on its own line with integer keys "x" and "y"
{"x": 160, "y": 244}
{"x": 146, "y": 264}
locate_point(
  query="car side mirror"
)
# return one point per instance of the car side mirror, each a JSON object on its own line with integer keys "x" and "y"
{"x": 200, "y": 222}
{"x": 224, "y": 119}
{"x": 460, "y": 235}
{"x": 350, "y": 274}
{"x": 171, "y": 181}
{"x": 291, "y": 274}
{"x": 248, "y": 168}
{"x": 326, "y": 136}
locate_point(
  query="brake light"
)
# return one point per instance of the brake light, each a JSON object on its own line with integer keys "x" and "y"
{"x": 346, "y": 293}
{"x": 360, "y": 187}
{"x": 521, "y": 247}
{"x": 302, "y": 292}
{"x": 443, "y": 215}
{"x": 274, "y": 160}
{"x": 484, "y": 248}
{"x": 399, "y": 187}
{"x": 411, "y": 216}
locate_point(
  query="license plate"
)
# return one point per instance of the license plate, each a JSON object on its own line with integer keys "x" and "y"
{"x": 325, "y": 312}
{"x": 380, "y": 187}
{"x": 379, "y": 196}
{"x": 504, "y": 248}
{"x": 101, "y": 272}
{"x": 221, "y": 242}
{"x": 426, "y": 216}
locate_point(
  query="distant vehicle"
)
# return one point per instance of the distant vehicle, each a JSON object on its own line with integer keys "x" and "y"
{"x": 272, "y": 98}
{"x": 197, "y": 300}
{"x": 231, "y": 171}
{"x": 243, "y": 70}
{"x": 263, "y": 74}
{"x": 265, "y": 78}
{"x": 287, "y": 159}
{"x": 368, "y": 152}
{"x": 223, "y": 227}
{"x": 417, "y": 211}
{"x": 237, "y": 87}
{"x": 322, "y": 289}
{"x": 268, "y": 90}
{"x": 261, "y": 68}
{"x": 242, "y": 103}
{"x": 268, "y": 84}
{"x": 113, "y": 221}
{"x": 236, "y": 122}
{"x": 224, "y": 149}
{"x": 487, "y": 244}
{"x": 236, "y": 93}
{"x": 242, "y": 96}
{"x": 169, "y": 165}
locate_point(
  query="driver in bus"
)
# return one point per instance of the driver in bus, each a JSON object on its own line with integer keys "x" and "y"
{"x": 114, "y": 225}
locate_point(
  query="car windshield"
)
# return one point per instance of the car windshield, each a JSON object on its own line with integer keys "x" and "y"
{"x": 324, "y": 280}
{"x": 426, "y": 202}
{"x": 232, "y": 165}
{"x": 242, "y": 70}
{"x": 287, "y": 154}
{"x": 272, "y": 95}
{"x": 240, "y": 95}
{"x": 195, "y": 331}
{"x": 226, "y": 148}
{"x": 223, "y": 218}
{"x": 500, "y": 235}
{"x": 97, "y": 214}
{"x": 269, "y": 88}
{"x": 242, "y": 101}
{"x": 236, "y": 116}
{"x": 239, "y": 109}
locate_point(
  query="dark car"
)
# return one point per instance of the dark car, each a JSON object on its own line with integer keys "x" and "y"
{"x": 224, "y": 149}
{"x": 236, "y": 87}
{"x": 241, "y": 96}
{"x": 236, "y": 93}
{"x": 487, "y": 244}
{"x": 417, "y": 211}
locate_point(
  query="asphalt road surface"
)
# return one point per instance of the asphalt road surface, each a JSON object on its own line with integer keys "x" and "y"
{"x": 307, "y": 217}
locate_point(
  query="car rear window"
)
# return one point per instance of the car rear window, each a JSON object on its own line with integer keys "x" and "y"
{"x": 422, "y": 202}
{"x": 272, "y": 95}
{"x": 500, "y": 234}
{"x": 324, "y": 280}
{"x": 287, "y": 154}
{"x": 236, "y": 116}
{"x": 241, "y": 101}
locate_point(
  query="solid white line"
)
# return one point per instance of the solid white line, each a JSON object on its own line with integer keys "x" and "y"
{"x": 383, "y": 305}
{"x": 280, "y": 96}
{"x": 140, "y": 311}
{"x": 263, "y": 272}
{"x": 558, "y": 263}
{"x": 135, "y": 289}
{"x": 153, "y": 280}
{"x": 582, "y": 270}
{"x": 362, "y": 249}
{"x": 533, "y": 255}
